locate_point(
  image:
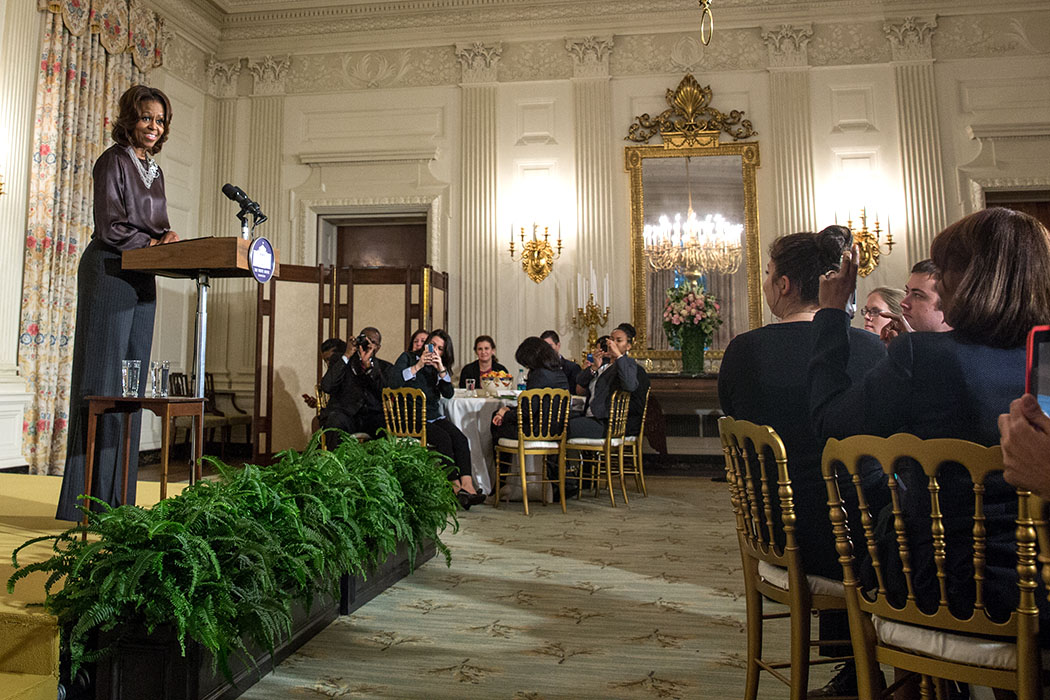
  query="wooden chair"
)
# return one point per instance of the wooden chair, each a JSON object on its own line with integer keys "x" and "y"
{"x": 405, "y": 413}
{"x": 597, "y": 453}
{"x": 544, "y": 435}
{"x": 233, "y": 414}
{"x": 889, "y": 625}
{"x": 772, "y": 570}
{"x": 179, "y": 385}
{"x": 633, "y": 456}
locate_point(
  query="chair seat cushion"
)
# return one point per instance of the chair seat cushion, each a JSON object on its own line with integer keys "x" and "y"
{"x": 594, "y": 442}
{"x": 631, "y": 439}
{"x": 976, "y": 651}
{"x": 530, "y": 444}
{"x": 361, "y": 437}
{"x": 818, "y": 585}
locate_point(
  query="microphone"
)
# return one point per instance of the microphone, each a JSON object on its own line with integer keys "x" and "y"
{"x": 237, "y": 195}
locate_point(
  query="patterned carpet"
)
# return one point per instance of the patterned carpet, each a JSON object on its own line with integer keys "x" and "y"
{"x": 643, "y": 601}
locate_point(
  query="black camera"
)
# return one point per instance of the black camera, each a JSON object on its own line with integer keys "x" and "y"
{"x": 363, "y": 342}
{"x": 603, "y": 344}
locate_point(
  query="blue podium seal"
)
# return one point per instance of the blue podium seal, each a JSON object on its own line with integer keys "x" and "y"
{"x": 261, "y": 260}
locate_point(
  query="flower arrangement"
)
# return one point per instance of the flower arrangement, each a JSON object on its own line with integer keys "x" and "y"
{"x": 690, "y": 306}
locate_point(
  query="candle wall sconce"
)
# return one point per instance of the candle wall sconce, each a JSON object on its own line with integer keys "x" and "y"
{"x": 537, "y": 255}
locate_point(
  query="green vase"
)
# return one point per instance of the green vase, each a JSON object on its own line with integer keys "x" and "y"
{"x": 693, "y": 344}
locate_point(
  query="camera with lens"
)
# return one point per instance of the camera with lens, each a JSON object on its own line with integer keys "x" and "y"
{"x": 603, "y": 344}
{"x": 363, "y": 342}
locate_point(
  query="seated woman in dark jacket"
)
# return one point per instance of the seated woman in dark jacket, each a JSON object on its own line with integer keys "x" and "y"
{"x": 485, "y": 349}
{"x": 545, "y": 372}
{"x": 995, "y": 285}
{"x": 431, "y": 372}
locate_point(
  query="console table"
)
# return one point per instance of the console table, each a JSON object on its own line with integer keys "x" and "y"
{"x": 167, "y": 408}
{"x": 680, "y": 394}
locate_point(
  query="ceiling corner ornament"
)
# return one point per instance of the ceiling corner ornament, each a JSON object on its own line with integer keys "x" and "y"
{"x": 912, "y": 38}
{"x": 690, "y": 121}
{"x": 270, "y": 74}
{"x": 707, "y": 22}
{"x": 479, "y": 61}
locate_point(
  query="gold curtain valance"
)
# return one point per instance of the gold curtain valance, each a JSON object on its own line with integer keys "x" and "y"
{"x": 122, "y": 25}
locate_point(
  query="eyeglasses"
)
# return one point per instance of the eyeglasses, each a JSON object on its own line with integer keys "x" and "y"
{"x": 871, "y": 311}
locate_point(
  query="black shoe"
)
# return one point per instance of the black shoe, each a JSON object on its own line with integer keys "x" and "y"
{"x": 843, "y": 683}
{"x": 464, "y": 499}
{"x": 476, "y": 498}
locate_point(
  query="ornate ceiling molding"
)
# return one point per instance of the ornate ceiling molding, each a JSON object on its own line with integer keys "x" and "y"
{"x": 222, "y": 77}
{"x": 480, "y": 61}
{"x": 270, "y": 74}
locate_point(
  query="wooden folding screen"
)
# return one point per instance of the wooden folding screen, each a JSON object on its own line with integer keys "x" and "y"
{"x": 306, "y": 305}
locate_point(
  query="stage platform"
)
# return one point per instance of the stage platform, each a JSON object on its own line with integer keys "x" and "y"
{"x": 28, "y": 635}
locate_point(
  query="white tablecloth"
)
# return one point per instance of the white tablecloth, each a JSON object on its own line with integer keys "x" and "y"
{"x": 474, "y": 417}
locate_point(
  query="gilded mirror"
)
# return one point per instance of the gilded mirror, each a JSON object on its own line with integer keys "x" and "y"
{"x": 692, "y": 171}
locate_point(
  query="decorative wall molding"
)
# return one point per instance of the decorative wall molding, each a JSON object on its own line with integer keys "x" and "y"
{"x": 979, "y": 185}
{"x": 480, "y": 62}
{"x": 848, "y": 44}
{"x": 374, "y": 70}
{"x": 590, "y": 56}
{"x": 1019, "y": 130}
{"x": 787, "y": 45}
{"x": 222, "y": 77}
{"x": 974, "y": 36}
{"x": 184, "y": 59}
{"x": 421, "y": 155}
{"x": 270, "y": 74}
{"x": 912, "y": 38}
{"x": 535, "y": 60}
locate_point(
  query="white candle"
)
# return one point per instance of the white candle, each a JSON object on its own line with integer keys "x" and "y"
{"x": 605, "y": 295}
{"x": 579, "y": 290}
{"x": 594, "y": 282}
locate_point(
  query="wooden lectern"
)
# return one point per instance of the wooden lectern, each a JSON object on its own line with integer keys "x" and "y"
{"x": 199, "y": 259}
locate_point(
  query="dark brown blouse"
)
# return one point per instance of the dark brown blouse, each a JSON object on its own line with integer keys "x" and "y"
{"x": 127, "y": 214}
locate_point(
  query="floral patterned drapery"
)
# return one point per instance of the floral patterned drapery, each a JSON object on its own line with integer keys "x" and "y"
{"x": 91, "y": 51}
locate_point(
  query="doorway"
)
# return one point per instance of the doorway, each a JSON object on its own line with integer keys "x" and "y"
{"x": 1033, "y": 202}
{"x": 381, "y": 241}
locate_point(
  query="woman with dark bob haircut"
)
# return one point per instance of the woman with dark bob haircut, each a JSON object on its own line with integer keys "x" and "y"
{"x": 995, "y": 285}
{"x": 115, "y": 307}
{"x": 763, "y": 380}
{"x": 545, "y": 372}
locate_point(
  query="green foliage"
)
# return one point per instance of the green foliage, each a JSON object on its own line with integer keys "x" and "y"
{"x": 225, "y": 560}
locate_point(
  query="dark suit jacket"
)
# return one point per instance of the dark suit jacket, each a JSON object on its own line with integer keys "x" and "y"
{"x": 352, "y": 387}
{"x": 540, "y": 378}
{"x": 625, "y": 375}
{"x": 933, "y": 385}
{"x": 571, "y": 370}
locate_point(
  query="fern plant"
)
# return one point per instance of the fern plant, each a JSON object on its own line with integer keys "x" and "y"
{"x": 223, "y": 562}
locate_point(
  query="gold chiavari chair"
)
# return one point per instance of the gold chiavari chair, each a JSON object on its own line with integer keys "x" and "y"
{"x": 632, "y": 465}
{"x": 543, "y": 422}
{"x": 405, "y": 413}
{"x": 756, "y": 470}
{"x": 889, "y": 623}
{"x": 595, "y": 455}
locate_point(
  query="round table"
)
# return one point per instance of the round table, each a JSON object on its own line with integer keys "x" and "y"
{"x": 473, "y": 416}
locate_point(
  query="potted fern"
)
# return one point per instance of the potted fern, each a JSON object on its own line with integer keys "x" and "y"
{"x": 235, "y": 566}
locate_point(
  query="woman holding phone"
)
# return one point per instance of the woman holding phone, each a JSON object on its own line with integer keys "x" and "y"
{"x": 994, "y": 287}
{"x": 431, "y": 372}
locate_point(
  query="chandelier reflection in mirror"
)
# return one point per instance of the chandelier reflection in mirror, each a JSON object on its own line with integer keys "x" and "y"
{"x": 695, "y": 246}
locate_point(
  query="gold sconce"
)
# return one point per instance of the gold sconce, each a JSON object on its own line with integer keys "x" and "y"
{"x": 1, "y": 184}
{"x": 707, "y": 22}
{"x": 869, "y": 241}
{"x": 537, "y": 255}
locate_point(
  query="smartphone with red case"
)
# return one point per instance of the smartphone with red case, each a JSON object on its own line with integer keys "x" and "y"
{"x": 1037, "y": 366}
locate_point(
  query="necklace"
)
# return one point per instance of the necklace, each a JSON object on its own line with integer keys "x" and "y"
{"x": 798, "y": 316}
{"x": 148, "y": 172}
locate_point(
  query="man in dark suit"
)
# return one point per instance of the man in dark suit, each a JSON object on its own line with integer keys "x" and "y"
{"x": 354, "y": 383}
{"x": 623, "y": 374}
{"x": 571, "y": 369}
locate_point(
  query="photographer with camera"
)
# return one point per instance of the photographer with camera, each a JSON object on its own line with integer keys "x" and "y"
{"x": 354, "y": 383}
{"x": 621, "y": 373}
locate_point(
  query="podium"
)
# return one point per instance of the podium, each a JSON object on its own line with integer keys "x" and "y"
{"x": 199, "y": 259}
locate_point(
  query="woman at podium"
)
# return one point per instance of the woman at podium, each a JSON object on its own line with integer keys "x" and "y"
{"x": 115, "y": 307}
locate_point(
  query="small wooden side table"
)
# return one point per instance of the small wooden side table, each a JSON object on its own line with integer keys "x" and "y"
{"x": 167, "y": 408}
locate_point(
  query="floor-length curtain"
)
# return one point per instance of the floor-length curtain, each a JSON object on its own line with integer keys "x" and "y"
{"x": 90, "y": 53}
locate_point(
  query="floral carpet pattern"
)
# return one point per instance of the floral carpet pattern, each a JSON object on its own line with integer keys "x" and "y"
{"x": 638, "y": 601}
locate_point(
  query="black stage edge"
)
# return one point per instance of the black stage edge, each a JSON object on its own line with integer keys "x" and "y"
{"x": 152, "y": 666}
{"x": 707, "y": 466}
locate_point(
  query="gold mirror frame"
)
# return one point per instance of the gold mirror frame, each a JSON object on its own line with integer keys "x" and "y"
{"x": 689, "y": 128}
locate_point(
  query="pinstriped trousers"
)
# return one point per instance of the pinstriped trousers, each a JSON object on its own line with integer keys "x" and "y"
{"x": 115, "y": 310}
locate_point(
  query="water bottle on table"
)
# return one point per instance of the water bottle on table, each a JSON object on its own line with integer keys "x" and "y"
{"x": 521, "y": 380}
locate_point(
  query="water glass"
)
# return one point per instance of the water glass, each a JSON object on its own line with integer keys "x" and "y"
{"x": 158, "y": 373}
{"x": 130, "y": 371}
{"x": 470, "y": 387}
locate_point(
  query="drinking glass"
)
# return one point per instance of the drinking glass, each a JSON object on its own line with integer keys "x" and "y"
{"x": 130, "y": 371}
{"x": 165, "y": 371}
{"x": 470, "y": 387}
